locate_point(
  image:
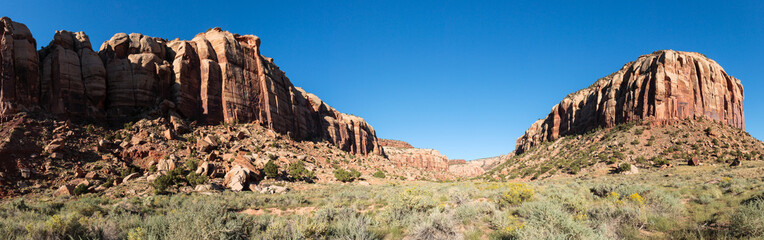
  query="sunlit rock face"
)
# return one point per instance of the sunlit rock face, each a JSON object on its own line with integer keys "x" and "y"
{"x": 661, "y": 88}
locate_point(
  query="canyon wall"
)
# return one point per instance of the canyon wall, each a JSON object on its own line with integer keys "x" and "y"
{"x": 661, "y": 88}
{"x": 402, "y": 154}
{"x": 216, "y": 77}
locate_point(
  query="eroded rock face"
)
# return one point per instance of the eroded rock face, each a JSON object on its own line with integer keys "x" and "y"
{"x": 138, "y": 76}
{"x": 407, "y": 156}
{"x": 215, "y": 77}
{"x": 19, "y": 68}
{"x": 475, "y": 167}
{"x": 73, "y": 82}
{"x": 394, "y": 143}
{"x": 663, "y": 87}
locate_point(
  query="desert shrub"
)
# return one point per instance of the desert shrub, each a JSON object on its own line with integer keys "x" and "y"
{"x": 343, "y": 176}
{"x": 624, "y": 167}
{"x": 271, "y": 169}
{"x": 437, "y": 226}
{"x": 748, "y": 220}
{"x": 298, "y": 171}
{"x": 635, "y": 142}
{"x": 67, "y": 226}
{"x": 549, "y": 220}
{"x": 355, "y": 173}
{"x": 659, "y": 161}
{"x": 379, "y": 174}
{"x": 165, "y": 181}
{"x": 194, "y": 179}
{"x": 515, "y": 194}
{"x": 192, "y": 164}
{"x": 80, "y": 189}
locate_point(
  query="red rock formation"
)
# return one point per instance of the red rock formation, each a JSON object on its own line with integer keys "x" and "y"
{"x": 73, "y": 80}
{"x": 222, "y": 77}
{"x": 394, "y": 143}
{"x": 456, "y": 161}
{"x": 425, "y": 159}
{"x": 138, "y": 77}
{"x": 404, "y": 155}
{"x": 661, "y": 88}
{"x": 19, "y": 68}
{"x": 216, "y": 77}
{"x": 476, "y": 167}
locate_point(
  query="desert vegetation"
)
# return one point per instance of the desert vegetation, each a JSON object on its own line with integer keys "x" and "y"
{"x": 707, "y": 202}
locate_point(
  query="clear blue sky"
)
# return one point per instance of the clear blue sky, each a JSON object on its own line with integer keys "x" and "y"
{"x": 464, "y": 77}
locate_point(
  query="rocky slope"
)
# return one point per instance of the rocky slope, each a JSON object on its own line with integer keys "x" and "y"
{"x": 663, "y": 87}
{"x": 39, "y": 155}
{"x": 642, "y": 146}
{"x": 215, "y": 77}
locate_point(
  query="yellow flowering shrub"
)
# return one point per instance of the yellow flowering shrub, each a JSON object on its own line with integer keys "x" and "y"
{"x": 637, "y": 199}
{"x": 516, "y": 193}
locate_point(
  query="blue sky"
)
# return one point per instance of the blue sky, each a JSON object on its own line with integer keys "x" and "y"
{"x": 464, "y": 77}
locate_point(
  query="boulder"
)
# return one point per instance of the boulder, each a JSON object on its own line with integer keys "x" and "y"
{"x": 205, "y": 169}
{"x": 167, "y": 164}
{"x": 132, "y": 176}
{"x": 64, "y": 190}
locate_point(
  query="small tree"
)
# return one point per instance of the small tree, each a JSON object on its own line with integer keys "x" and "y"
{"x": 624, "y": 167}
{"x": 297, "y": 170}
{"x": 343, "y": 176}
{"x": 271, "y": 169}
{"x": 80, "y": 189}
{"x": 379, "y": 174}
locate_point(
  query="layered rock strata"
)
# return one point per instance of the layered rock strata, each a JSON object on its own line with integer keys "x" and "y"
{"x": 215, "y": 77}
{"x": 402, "y": 154}
{"x": 663, "y": 87}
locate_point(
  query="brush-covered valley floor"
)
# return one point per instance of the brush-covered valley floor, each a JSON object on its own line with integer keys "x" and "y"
{"x": 684, "y": 202}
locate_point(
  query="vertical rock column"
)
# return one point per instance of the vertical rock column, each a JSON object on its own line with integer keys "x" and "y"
{"x": 19, "y": 68}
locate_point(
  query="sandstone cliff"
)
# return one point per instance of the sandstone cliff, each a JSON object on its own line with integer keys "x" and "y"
{"x": 476, "y": 167}
{"x": 394, "y": 143}
{"x": 402, "y": 154}
{"x": 215, "y": 77}
{"x": 660, "y": 88}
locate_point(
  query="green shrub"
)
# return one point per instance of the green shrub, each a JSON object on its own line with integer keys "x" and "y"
{"x": 355, "y": 173}
{"x": 642, "y": 160}
{"x": 379, "y": 174}
{"x": 343, "y": 176}
{"x": 748, "y": 220}
{"x": 192, "y": 164}
{"x": 194, "y": 179}
{"x": 624, "y": 167}
{"x": 80, "y": 189}
{"x": 271, "y": 169}
{"x": 297, "y": 170}
{"x": 660, "y": 161}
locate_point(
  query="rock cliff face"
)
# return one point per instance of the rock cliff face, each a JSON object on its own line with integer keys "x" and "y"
{"x": 476, "y": 167}
{"x": 394, "y": 143}
{"x": 663, "y": 87}
{"x": 215, "y": 77}
{"x": 404, "y": 155}
{"x": 73, "y": 79}
{"x": 19, "y": 68}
